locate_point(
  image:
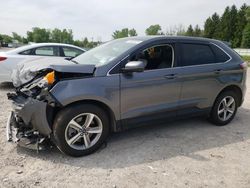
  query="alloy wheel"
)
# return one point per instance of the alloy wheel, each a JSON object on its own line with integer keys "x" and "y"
{"x": 83, "y": 131}
{"x": 226, "y": 108}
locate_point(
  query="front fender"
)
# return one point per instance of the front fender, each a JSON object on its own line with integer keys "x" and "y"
{"x": 101, "y": 89}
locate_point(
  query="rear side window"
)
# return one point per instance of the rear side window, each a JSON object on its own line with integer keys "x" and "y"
{"x": 196, "y": 54}
{"x": 47, "y": 51}
{"x": 44, "y": 51}
{"x": 71, "y": 52}
{"x": 219, "y": 54}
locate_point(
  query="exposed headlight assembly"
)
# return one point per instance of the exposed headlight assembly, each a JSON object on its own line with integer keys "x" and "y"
{"x": 50, "y": 78}
{"x": 42, "y": 82}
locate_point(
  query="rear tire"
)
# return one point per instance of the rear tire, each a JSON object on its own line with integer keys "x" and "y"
{"x": 224, "y": 109}
{"x": 80, "y": 129}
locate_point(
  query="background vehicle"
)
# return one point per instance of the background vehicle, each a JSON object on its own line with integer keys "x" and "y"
{"x": 9, "y": 59}
{"x": 127, "y": 83}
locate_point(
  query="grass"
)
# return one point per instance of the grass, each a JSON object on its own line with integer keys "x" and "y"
{"x": 246, "y": 58}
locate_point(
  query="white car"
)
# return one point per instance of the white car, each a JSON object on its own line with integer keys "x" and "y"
{"x": 10, "y": 59}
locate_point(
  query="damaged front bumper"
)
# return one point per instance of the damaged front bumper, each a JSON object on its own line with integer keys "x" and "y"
{"x": 28, "y": 124}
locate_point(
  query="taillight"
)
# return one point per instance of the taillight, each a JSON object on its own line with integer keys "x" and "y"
{"x": 243, "y": 65}
{"x": 2, "y": 58}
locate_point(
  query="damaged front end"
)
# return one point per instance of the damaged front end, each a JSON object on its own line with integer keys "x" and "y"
{"x": 29, "y": 123}
{"x": 33, "y": 106}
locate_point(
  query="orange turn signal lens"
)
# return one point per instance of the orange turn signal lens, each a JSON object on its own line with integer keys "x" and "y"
{"x": 50, "y": 77}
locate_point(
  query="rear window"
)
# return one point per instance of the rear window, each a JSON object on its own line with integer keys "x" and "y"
{"x": 220, "y": 55}
{"x": 196, "y": 54}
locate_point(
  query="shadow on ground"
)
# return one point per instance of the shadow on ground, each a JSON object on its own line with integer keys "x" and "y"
{"x": 157, "y": 142}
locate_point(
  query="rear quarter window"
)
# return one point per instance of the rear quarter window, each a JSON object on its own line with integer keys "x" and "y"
{"x": 26, "y": 52}
{"x": 220, "y": 55}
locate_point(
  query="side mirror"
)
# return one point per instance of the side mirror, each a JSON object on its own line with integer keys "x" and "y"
{"x": 134, "y": 66}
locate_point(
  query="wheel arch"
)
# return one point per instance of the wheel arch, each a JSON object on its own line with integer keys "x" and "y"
{"x": 235, "y": 89}
{"x": 114, "y": 127}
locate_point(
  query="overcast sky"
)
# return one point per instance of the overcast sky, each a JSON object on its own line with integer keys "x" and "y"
{"x": 99, "y": 18}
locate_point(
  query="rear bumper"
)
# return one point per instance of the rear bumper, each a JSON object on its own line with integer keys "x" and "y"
{"x": 244, "y": 88}
{"x": 243, "y": 96}
{"x": 32, "y": 112}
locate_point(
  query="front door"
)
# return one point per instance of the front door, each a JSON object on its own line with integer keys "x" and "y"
{"x": 151, "y": 96}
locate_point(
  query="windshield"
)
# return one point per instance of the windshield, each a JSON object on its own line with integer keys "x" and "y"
{"x": 106, "y": 52}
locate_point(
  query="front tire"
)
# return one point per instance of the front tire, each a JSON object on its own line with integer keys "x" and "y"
{"x": 224, "y": 109}
{"x": 80, "y": 129}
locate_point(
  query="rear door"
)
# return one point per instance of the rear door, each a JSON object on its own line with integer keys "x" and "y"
{"x": 201, "y": 70}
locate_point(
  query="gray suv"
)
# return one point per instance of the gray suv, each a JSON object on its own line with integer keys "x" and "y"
{"x": 122, "y": 84}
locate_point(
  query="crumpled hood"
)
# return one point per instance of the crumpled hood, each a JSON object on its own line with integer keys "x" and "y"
{"x": 28, "y": 69}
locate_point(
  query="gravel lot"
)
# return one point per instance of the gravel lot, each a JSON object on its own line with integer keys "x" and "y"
{"x": 189, "y": 153}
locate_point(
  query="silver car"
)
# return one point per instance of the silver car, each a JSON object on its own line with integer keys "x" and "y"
{"x": 10, "y": 59}
{"x": 123, "y": 84}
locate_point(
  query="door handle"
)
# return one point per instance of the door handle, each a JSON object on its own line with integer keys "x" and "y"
{"x": 170, "y": 76}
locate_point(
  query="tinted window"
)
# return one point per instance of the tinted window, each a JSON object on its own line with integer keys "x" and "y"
{"x": 219, "y": 54}
{"x": 196, "y": 54}
{"x": 71, "y": 52}
{"x": 47, "y": 51}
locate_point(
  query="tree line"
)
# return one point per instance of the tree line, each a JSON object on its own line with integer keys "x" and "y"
{"x": 232, "y": 26}
{"x": 39, "y": 35}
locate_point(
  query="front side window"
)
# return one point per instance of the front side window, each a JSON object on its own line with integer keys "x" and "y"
{"x": 71, "y": 52}
{"x": 156, "y": 57}
{"x": 196, "y": 54}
